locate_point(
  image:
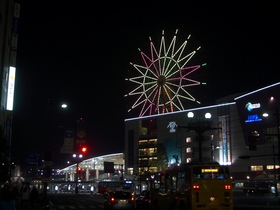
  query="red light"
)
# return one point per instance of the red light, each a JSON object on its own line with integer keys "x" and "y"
{"x": 112, "y": 200}
{"x": 196, "y": 187}
{"x": 227, "y": 186}
{"x": 132, "y": 200}
{"x": 84, "y": 149}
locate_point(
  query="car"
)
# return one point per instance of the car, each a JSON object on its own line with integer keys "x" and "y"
{"x": 119, "y": 200}
{"x": 256, "y": 187}
{"x": 143, "y": 201}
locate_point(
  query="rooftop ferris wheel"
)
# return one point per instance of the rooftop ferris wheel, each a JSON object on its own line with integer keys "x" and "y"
{"x": 163, "y": 82}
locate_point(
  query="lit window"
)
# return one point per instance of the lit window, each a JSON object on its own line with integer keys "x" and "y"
{"x": 257, "y": 168}
{"x": 188, "y": 139}
{"x": 188, "y": 150}
{"x": 271, "y": 167}
{"x": 188, "y": 160}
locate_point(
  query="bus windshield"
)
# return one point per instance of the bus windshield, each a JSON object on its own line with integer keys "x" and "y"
{"x": 216, "y": 172}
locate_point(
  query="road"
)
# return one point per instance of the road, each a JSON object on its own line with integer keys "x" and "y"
{"x": 87, "y": 201}
{"x": 75, "y": 202}
{"x": 255, "y": 201}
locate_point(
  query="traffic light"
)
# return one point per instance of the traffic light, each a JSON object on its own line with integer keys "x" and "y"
{"x": 84, "y": 149}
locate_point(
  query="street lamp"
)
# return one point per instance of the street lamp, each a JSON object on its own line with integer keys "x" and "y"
{"x": 276, "y": 114}
{"x": 77, "y": 170}
{"x": 82, "y": 151}
{"x": 48, "y": 152}
{"x": 199, "y": 129}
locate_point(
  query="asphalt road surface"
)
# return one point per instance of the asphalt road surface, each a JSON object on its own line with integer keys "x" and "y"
{"x": 87, "y": 201}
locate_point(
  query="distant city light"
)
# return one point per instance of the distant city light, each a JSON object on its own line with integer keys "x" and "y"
{"x": 64, "y": 106}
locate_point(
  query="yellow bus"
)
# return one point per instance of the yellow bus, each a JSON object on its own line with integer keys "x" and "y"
{"x": 193, "y": 186}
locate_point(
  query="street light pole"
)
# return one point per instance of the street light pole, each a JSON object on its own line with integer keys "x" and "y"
{"x": 76, "y": 178}
{"x": 199, "y": 130}
{"x": 45, "y": 191}
{"x": 278, "y": 138}
{"x": 47, "y": 151}
{"x": 278, "y": 134}
{"x": 77, "y": 170}
{"x": 274, "y": 172}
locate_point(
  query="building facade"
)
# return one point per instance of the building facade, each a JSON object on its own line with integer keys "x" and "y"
{"x": 240, "y": 130}
{"x": 9, "y": 20}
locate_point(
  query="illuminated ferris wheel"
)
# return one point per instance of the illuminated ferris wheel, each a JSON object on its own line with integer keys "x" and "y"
{"x": 163, "y": 81}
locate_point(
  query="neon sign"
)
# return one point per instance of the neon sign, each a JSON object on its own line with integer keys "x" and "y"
{"x": 249, "y": 106}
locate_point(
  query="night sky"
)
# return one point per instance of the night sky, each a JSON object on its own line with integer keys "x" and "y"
{"x": 80, "y": 54}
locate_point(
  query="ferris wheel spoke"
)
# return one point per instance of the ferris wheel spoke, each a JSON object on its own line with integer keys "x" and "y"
{"x": 164, "y": 78}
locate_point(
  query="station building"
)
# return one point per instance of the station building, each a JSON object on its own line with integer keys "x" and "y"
{"x": 240, "y": 130}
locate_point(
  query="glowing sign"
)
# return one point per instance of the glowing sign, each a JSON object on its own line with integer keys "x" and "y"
{"x": 172, "y": 126}
{"x": 249, "y": 106}
{"x": 11, "y": 88}
{"x": 209, "y": 170}
{"x": 253, "y": 118}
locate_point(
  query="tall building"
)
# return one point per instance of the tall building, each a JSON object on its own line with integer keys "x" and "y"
{"x": 9, "y": 19}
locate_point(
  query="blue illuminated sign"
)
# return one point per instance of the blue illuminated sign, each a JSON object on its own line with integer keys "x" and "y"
{"x": 253, "y": 118}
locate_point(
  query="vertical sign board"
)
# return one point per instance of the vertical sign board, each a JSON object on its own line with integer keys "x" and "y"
{"x": 68, "y": 142}
{"x": 11, "y": 88}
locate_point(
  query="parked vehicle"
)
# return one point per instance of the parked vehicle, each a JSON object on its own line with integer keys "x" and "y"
{"x": 119, "y": 200}
{"x": 256, "y": 187}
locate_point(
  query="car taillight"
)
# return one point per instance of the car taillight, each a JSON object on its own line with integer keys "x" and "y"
{"x": 196, "y": 187}
{"x": 132, "y": 200}
{"x": 112, "y": 200}
{"x": 227, "y": 186}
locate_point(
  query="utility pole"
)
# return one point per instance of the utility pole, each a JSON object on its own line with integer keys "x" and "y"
{"x": 76, "y": 178}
